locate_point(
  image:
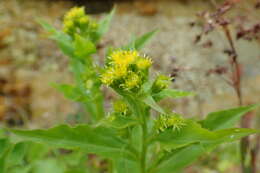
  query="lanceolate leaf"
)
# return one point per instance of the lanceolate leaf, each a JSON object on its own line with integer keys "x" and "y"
{"x": 181, "y": 157}
{"x": 105, "y": 23}
{"x": 151, "y": 102}
{"x": 140, "y": 42}
{"x": 17, "y": 154}
{"x": 226, "y": 118}
{"x": 122, "y": 165}
{"x": 69, "y": 91}
{"x": 83, "y": 47}
{"x": 171, "y": 93}
{"x": 98, "y": 140}
{"x": 63, "y": 40}
{"x": 178, "y": 159}
{"x": 190, "y": 133}
{"x": 120, "y": 122}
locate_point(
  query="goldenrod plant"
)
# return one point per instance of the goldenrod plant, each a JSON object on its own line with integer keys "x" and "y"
{"x": 138, "y": 135}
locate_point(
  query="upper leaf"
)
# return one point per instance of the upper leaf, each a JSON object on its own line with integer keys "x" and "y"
{"x": 98, "y": 140}
{"x": 190, "y": 133}
{"x": 83, "y": 47}
{"x": 64, "y": 41}
{"x": 151, "y": 102}
{"x": 105, "y": 24}
{"x": 69, "y": 91}
{"x": 140, "y": 42}
{"x": 171, "y": 93}
{"x": 225, "y": 118}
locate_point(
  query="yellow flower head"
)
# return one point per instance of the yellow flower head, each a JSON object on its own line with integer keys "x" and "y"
{"x": 107, "y": 77}
{"x": 124, "y": 58}
{"x": 75, "y": 13}
{"x": 76, "y": 21}
{"x": 132, "y": 81}
{"x": 84, "y": 20}
{"x": 68, "y": 26}
{"x": 144, "y": 63}
{"x": 120, "y": 72}
{"x": 125, "y": 70}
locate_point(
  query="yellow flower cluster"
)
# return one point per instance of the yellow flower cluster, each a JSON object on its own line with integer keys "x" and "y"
{"x": 161, "y": 83}
{"x": 126, "y": 69}
{"x": 76, "y": 18}
{"x": 174, "y": 122}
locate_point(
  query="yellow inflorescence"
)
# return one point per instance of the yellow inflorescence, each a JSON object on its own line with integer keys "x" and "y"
{"x": 144, "y": 63}
{"x": 124, "y": 58}
{"x": 125, "y": 69}
{"x": 75, "y": 13}
{"x": 108, "y": 77}
{"x": 132, "y": 81}
{"x": 76, "y": 20}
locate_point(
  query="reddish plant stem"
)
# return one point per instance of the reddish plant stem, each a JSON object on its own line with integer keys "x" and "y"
{"x": 245, "y": 121}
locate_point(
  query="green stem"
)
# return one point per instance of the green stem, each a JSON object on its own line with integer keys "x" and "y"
{"x": 144, "y": 146}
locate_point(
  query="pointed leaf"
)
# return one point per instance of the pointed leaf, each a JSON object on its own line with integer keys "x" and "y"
{"x": 69, "y": 91}
{"x": 190, "y": 133}
{"x": 17, "y": 154}
{"x": 225, "y": 118}
{"x": 83, "y": 47}
{"x": 97, "y": 140}
{"x": 63, "y": 40}
{"x": 140, "y": 42}
{"x": 105, "y": 24}
{"x": 172, "y": 94}
{"x": 181, "y": 157}
{"x": 121, "y": 122}
{"x": 151, "y": 102}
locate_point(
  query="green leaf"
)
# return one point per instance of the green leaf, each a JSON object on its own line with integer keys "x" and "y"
{"x": 17, "y": 154}
{"x": 69, "y": 91}
{"x": 122, "y": 165}
{"x": 105, "y": 24}
{"x": 64, "y": 41}
{"x": 230, "y": 135}
{"x": 190, "y": 133}
{"x": 36, "y": 151}
{"x": 151, "y": 102}
{"x": 97, "y": 140}
{"x": 225, "y": 118}
{"x": 121, "y": 122}
{"x": 136, "y": 138}
{"x": 4, "y": 152}
{"x": 46, "y": 26}
{"x": 178, "y": 159}
{"x": 4, "y": 142}
{"x": 171, "y": 93}
{"x": 83, "y": 47}
{"x": 181, "y": 157}
{"x": 48, "y": 165}
{"x": 140, "y": 42}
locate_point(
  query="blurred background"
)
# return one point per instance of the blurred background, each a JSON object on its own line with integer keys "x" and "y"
{"x": 186, "y": 47}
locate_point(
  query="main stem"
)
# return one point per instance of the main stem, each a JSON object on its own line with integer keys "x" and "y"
{"x": 144, "y": 147}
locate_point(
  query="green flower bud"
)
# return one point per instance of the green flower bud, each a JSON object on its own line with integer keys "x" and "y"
{"x": 173, "y": 121}
{"x": 160, "y": 83}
